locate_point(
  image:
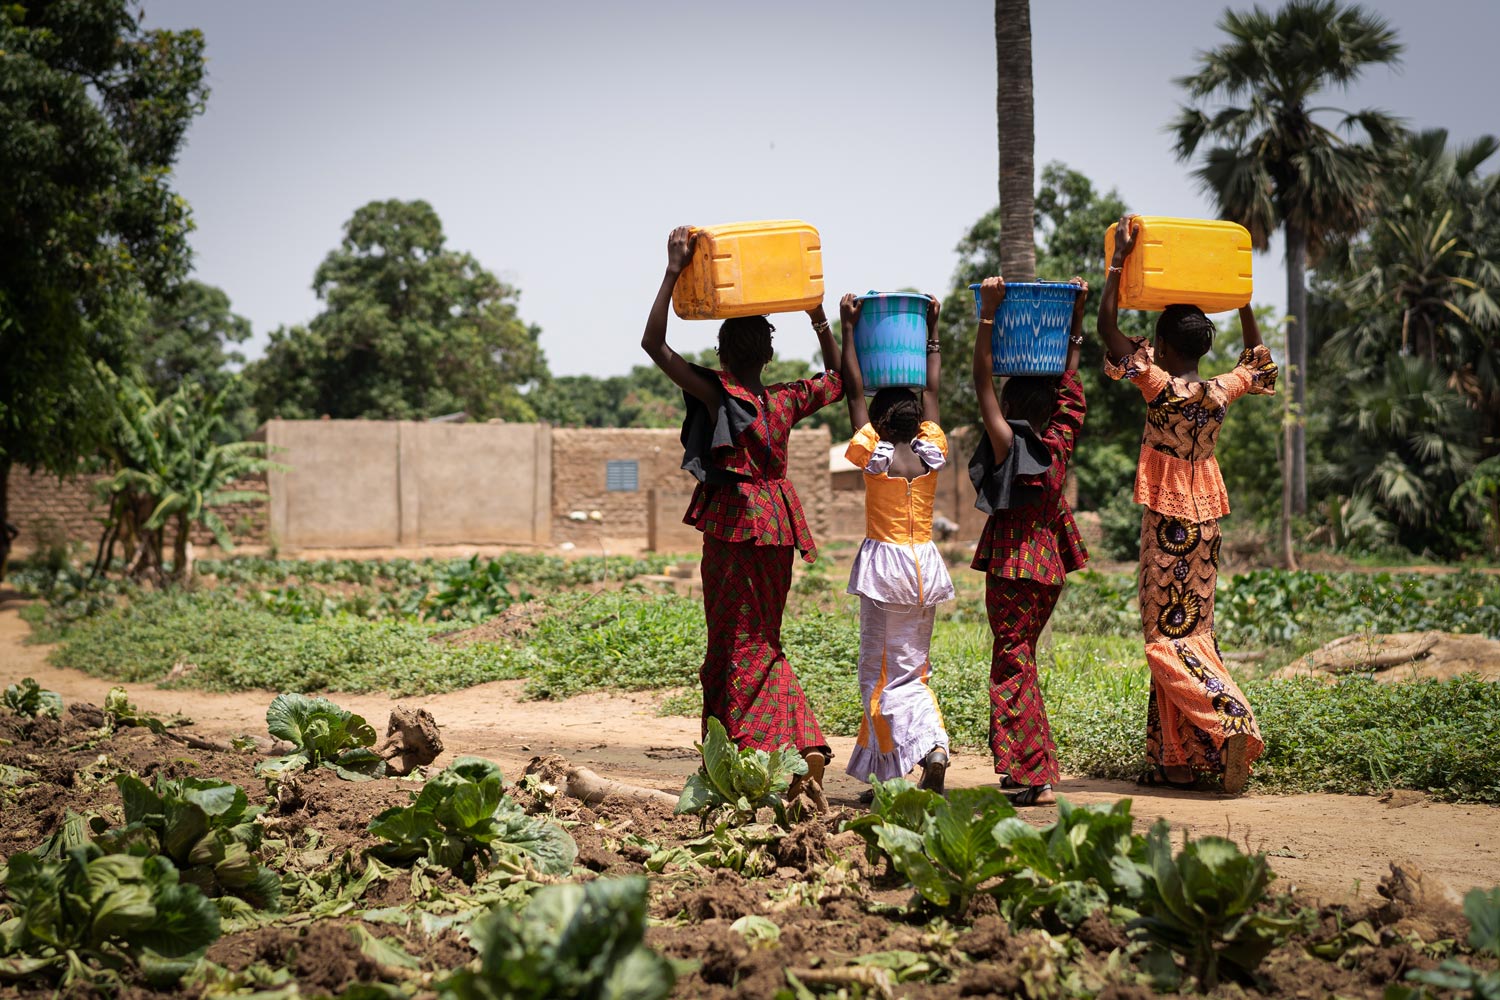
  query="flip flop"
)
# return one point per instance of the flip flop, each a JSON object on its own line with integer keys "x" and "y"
{"x": 1157, "y": 778}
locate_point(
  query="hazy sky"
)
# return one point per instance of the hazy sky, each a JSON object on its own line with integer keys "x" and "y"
{"x": 560, "y": 141}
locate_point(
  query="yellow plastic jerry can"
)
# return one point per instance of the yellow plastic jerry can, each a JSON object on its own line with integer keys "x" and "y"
{"x": 1198, "y": 262}
{"x": 749, "y": 268}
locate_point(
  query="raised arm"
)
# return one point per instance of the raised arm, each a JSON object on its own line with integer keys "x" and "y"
{"x": 654, "y": 340}
{"x": 934, "y": 362}
{"x": 854, "y": 382}
{"x": 1249, "y": 327}
{"x": 831, "y": 357}
{"x": 1115, "y": 343}
{"x": 991, "y": 294}
{"x": 1075, "y": 334}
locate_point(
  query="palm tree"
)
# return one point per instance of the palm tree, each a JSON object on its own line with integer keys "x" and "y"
{"x": 1273, "y": 161}
{"x": 1423, "y": 281}
{"x": 1403, "y": 440}
{"x": 1017, "y": 134}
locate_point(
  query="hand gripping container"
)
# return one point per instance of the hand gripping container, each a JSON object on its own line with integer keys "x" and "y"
{"x": 1190, "y": 261}
{"x": 750, "y": 268}
{"x": 891, "y": 339}
{"x": 1030, "y": 335}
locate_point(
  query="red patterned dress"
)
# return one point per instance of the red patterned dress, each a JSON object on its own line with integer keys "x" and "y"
{"x": 751, "y": 520}
{"x": 1195, "y": 704}
{"x": 1029, "y": 546}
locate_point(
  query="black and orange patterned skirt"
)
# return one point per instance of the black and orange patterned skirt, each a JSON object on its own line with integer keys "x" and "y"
{"x": 1195, "y": 705}
{"x": 748, "y": 685}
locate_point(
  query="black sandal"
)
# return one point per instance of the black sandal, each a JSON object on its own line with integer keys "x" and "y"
{"x": 867, "y": 797}
{"x": 1157, "y": 778}
{"x": 1026, "y": 795}
{"x": 934, "y": 770}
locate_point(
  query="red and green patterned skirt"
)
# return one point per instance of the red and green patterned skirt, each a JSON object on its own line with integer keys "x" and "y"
{"x": 747, "y": 683}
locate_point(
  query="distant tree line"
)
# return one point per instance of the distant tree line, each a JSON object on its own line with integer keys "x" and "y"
{"x": 1396, "y": 407}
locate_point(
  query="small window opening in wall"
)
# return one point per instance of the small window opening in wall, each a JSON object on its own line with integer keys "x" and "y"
{"x": 622, "y": 476}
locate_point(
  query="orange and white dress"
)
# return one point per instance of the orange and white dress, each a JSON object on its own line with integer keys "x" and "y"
{"x": 900, "y": 579}
{"x": 1194, "y": 705}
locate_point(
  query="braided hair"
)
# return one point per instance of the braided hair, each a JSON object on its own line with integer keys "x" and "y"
{"x": 745, "y": 343}
{"x": 1031, "y": 398}
{"x": 895, "y": 414}
{"x": 1187, "y": 330}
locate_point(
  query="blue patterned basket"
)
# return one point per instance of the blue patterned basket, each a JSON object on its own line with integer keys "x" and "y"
{"x": 891, "y": 338}
{"x": 1031, "y": 329}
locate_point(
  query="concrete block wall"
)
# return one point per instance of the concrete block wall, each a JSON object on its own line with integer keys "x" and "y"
{"x": 580, "y": 458}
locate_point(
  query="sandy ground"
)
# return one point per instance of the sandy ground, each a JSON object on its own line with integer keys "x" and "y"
{"x": 1334, "y": 847}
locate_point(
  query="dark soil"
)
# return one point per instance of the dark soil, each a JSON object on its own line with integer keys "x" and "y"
{"x": 829, "y": 905}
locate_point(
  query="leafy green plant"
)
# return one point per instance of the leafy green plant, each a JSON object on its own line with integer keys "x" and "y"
{"x": 28, "y": 698}
{"x": 956, "y": 851}
{"x": 119, "y": 713}
{"x": 1483, "y": 910}
{"x": 472, "y": 591}
{"x": 325, "y": 736}
{"x": 742, "y": 849}
{"x": 572, "y": 941}
{"x": 897, "y": 802}
{"x": 462, "y": 819}
{"x": 1088, "y": 859}
{"x": 738, "y": 783}
{"x": 89, "y": 915}
{"x": 1205, "y": 905}
{"x": 208, "y": 829}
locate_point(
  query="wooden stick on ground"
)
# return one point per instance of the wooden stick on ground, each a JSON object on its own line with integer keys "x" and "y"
{"x": 581, "y": 783}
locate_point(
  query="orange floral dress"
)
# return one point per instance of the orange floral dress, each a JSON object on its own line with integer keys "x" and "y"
{"x": 1194, "y": 705}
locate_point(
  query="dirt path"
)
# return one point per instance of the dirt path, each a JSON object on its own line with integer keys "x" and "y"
{"x": 1336, "y": 847}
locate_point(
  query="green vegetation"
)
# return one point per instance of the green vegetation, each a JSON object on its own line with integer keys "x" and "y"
{"x": 325, "y": 735}
{"x": 734, "y": 784}
{"x": 1205, "y": 904}
{"x": 1208, "y": 905}
{"x": 109, "y": 911}
{"x": 96, "y": 110}
{"x": 573, "y": 941}
{"x": 205, "y": 826}
{"x": 1483, "y": 910}
{"x": 410, "y": 329}
{"x": 170, "y": 471}
{"x": 1355, "y": 736}
{"x": 28, "y": 698}
{"x": 462, "y": 820}
{"x": 955, "y": 851}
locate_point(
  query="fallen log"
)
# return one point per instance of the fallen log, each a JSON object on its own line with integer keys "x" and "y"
{"x": 583, "y": 784}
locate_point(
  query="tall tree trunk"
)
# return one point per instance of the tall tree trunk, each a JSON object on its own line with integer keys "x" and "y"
{"x": 182, "y": 550}
{"x": 1296, "y": 356}
{"x": 1017, "y": 133}
{"x": 1288, "y": 546}
{"x": 4, "y": 513}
